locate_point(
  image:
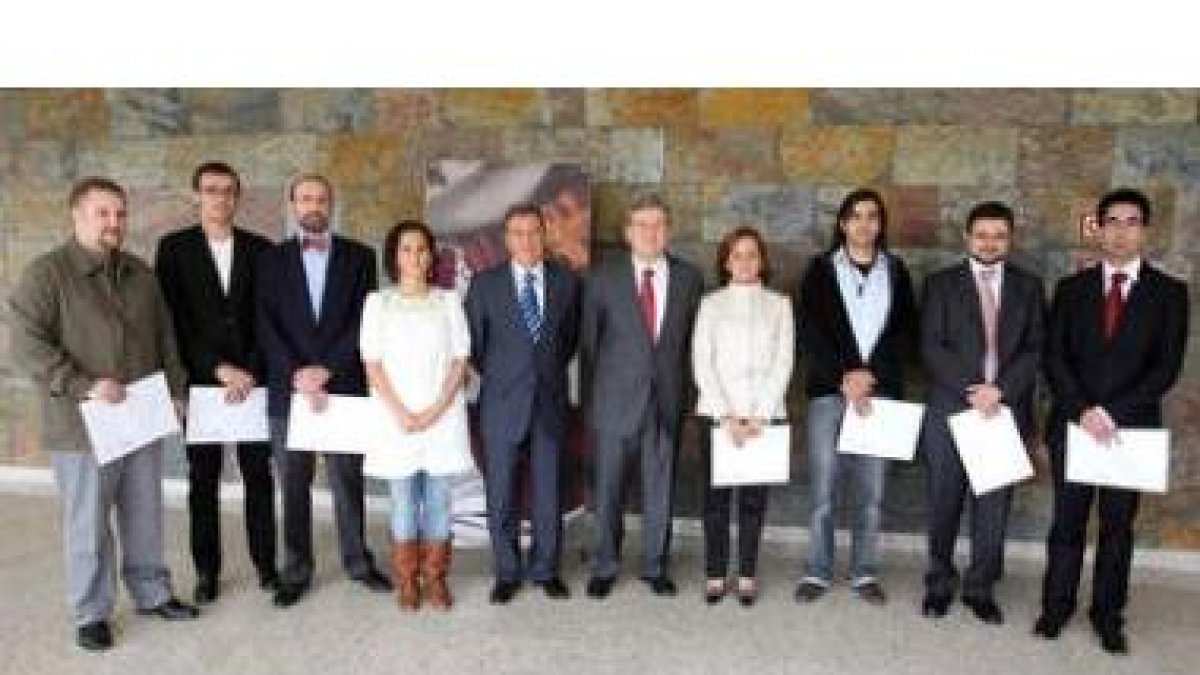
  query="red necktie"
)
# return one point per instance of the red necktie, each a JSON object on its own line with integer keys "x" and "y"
{"x": 1114, "y": 302}
{"x": 314, "y": 243}
{"x": 647, "y": 301}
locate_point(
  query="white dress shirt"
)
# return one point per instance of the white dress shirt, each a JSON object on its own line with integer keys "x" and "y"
{"x": 222, "y": 253}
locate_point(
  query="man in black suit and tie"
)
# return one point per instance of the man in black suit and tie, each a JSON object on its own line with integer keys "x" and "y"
{"x": 635, "y": 344}
{"x": 981, "y": 340}
{"x": 1117, "y": 337}
{"x": 207, "y": 277}
{"x": 524, "y": 319}
{"x": 311, "y": 290}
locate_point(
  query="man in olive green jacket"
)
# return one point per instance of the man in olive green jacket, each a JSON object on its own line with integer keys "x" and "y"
{"x": 87, "y": 320}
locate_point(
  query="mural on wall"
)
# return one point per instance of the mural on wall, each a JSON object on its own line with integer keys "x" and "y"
{"x": 465, "y": 205}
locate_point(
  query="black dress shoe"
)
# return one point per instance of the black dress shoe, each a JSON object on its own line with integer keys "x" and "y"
{"x": 661, "y": 585}
{"x": 289, "y": 594}
{"x": 1112, "y": 640}
{"x": 172, "y": 610}
{"x": 600, "y": 587}
{"x": 1048, "y": 626}
{"x": 268, "y": 581}
{"x": 503, "y": 592}
{"x": 206, "y": 589}
{"x": 554, "y": 588}
{"x": 375, "y": 581}
{"x": 985, "y": 609}
{"x": 94, "y": 636}
{"x": 935, "y": 606}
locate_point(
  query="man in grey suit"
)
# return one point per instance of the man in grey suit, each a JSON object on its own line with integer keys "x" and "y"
{"x": 981, "y": 339}
{"x": 635, "y": 342}
{"x": 524, "y": 320}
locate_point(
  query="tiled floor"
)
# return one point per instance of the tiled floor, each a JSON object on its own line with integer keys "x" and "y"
{"x": 340, "y": 628}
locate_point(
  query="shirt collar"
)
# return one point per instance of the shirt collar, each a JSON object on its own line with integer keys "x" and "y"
{"x": 977, "y": 267}
{"x": 519, "y": 271}
{"x": 1131, "y": 270}
{"x": 842, "y": 258}
{"x": 88, "y": 262}
{"x": 659, "y": 265}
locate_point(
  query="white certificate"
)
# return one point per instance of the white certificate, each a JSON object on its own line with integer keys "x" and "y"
{"x": 146, "y": 415}
{"x": 210, "y": 419}
{"x": 762, "y": 459}
{"x": 349, "y": 424}
{"x": 889, "y": 431}
{"x": 1136, "y": 460}
{"x": 992, "y": 450}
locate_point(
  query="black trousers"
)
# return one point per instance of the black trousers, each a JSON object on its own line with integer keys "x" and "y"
{"x": 751, "y": 508}
{"x": 949, "y": 492}
{"x": 1068, "y": 538}
{"x": 204, "y": 482}
{"x": 345, "y": 477}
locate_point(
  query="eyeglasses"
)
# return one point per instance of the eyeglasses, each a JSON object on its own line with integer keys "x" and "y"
{"x": 1130, "y": 221}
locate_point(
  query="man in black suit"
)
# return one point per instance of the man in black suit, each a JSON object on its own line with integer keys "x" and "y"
{"x": 524, "y": 319}
{"x": 207, "y": 277}
{"x": 981, "y": 340}
{"x": 635, "y": 342}
{"x": 1117, "y": 337}
{"x": 310, "y": 295}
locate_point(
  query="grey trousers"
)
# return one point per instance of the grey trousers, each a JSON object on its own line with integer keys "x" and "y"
{"x": 90, "y": 494}
{"x": 654, "y": 449}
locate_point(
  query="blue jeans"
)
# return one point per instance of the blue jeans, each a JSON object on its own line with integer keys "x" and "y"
{"x": 825, "y": 465}
{"x": 420, "y": 507}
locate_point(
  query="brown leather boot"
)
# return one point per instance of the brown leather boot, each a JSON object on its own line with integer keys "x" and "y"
{"x": 406, "y": 570}
{"x": 435, "y": 568}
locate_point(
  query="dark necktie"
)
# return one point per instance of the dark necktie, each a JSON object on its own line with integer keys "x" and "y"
{"x": 649, "y": 304}
{"x": 1114, "y": 302}
{"x": 530, "y": 311}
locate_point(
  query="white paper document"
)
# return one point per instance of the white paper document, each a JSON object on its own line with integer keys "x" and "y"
{"x": 211, "y": 420}
{"x": 992, "y": 450}
{"x": 890, "y": 430}
{"x": 349, "y": 424}
{"x": 146, "y": 415}
{"x": 1136, "y": 460}
{"x": 762, "y": 459}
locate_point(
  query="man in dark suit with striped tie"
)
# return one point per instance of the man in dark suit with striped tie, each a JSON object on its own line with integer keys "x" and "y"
{"x": 524, "y": 318}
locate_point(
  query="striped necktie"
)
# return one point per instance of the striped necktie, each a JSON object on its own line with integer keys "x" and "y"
{"x": 531, "y": 312}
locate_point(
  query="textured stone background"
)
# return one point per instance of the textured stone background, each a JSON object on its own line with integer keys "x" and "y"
{"x": 779, "y": 159}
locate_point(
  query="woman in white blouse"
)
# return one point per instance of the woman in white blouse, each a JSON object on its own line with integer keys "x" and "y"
{"x": 742, "y": 357}
{"x": 414, "y": 343}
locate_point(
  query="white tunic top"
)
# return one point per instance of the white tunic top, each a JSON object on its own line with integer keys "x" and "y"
{"x": 742, "y": 352}
{"x": 416, "y": 340}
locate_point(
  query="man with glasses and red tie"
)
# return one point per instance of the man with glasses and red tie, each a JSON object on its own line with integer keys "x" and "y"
{"x": 310, "y": 295}
{"x": 635, "y": 345}
{"x": 1116, "y": 340}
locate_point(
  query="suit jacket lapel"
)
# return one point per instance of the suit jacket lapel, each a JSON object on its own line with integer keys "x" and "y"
{"x": 240, "y": 266}
{"x": 333, "y": 280}
{"x": 1010, "y": 301}
{"x": 208, "y": 264}
{"x": 299, "y": 279}
{"x": 671, "y": 313}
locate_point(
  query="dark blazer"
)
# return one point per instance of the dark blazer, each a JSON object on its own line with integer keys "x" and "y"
{"x": 1129, "y": 376}
{"x": 212, "y": 327}
{"x": 522, "y": 382}
{"x": 621, "y": 365}
{"x": 291, "y": 337}
{"x": 826, "y": 339}
{"x": 952, "y": 339}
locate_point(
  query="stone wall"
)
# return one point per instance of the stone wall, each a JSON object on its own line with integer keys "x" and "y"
{"x": 777, "y": 158}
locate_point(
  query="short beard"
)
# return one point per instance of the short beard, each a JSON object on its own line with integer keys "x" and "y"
{"x": 314, "y": 223}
